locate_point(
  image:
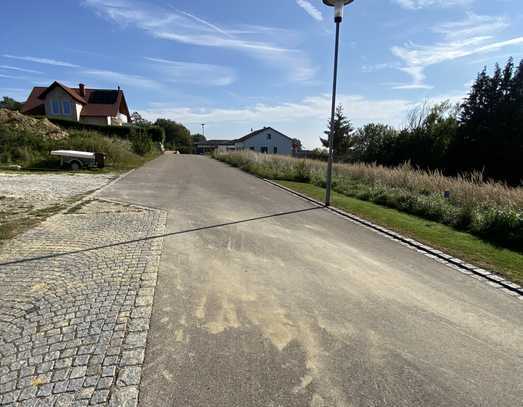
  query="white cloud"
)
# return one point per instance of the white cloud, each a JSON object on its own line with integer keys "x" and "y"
{"x": 15, "y": 68}
{"x": 472, "y": 25}
{"x": 116, "y": 78}
{"x": 359, "y": 109}
{"x": 472, "y": 36}
{"x": 420, "y": 4}
{"x": 378, "y": 67}
{"x": 305, "y": 119}
{"x": 193, "y": 73}
{"x": 45, "y": 61}
{"x": 310, "y": 9}
{"x": 10, "y": 77}
{"x": 174, "y": 25}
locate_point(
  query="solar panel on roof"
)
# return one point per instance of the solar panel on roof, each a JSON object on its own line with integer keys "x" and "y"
{"x": 105, "y": 97}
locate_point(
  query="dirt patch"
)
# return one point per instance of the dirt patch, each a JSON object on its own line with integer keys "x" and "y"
{"x": 41, "y": 127}
{"x": 28, "y": 199}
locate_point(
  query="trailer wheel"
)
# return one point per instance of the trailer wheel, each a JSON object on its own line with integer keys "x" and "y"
{"x": 75, "y": 165}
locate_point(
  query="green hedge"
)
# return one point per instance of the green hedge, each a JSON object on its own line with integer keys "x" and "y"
{"x": 155, "y": 133}
{"x": 110, "y": 131}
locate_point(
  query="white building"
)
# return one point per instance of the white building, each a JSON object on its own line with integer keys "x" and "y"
{"x": 268, "y": 141}
{"x": 91, "y": 106}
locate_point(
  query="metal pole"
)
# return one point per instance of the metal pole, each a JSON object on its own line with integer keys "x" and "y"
{"x": 203, "y": 129}
{"x": 333, "y": 112}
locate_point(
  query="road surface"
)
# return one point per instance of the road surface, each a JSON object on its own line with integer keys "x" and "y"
{"x": 264, "y": 299}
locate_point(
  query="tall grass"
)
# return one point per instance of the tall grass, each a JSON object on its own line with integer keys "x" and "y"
{"x": 32, "y": 150}
{"x": 485, "y": 208}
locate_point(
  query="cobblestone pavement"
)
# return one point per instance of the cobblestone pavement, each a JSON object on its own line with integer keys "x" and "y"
{"x": 73, "y": 327}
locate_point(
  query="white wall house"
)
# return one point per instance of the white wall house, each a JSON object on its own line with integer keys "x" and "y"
{"x": 105, "y": 107}
{"x": 268, "y": 141}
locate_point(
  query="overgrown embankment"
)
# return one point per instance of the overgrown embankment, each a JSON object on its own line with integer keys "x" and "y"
{"x": 489, "y": 210}
{"x": 27, "y": 141}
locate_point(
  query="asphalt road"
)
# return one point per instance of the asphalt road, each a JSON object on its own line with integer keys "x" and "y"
{"x": 304, "y": 308}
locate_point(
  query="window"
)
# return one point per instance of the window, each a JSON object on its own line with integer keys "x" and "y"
{"x": 56, "y": 106}
{"x": 67, "y": 107}
{"x": 275, "y": 150}
{"x": 269, "y": 136}
{"x": 264, "y": 150}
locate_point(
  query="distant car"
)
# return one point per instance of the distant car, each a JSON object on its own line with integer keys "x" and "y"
{"x": 76, "y": 160}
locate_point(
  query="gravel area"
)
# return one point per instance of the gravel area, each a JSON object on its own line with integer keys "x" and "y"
{"x": 22, "y": 193}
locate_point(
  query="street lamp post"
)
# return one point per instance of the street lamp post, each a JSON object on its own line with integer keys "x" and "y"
{"x": 203, "y": 129}
{"x": 338, "y": 17}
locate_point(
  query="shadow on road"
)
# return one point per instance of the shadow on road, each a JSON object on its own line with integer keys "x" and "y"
{"x": 181, "y": 232}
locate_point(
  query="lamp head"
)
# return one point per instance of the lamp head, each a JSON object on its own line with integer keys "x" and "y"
{"x": 338, "y": 7}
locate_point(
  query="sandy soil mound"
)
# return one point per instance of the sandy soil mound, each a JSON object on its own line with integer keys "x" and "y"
{"x": 43, "y": 127}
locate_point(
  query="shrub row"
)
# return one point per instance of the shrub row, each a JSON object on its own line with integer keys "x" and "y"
{"x": 155, "y": 133}
{"x": 491, "y": 211}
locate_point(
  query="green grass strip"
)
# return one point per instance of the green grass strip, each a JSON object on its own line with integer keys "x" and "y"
{"x": 459, "y": 244}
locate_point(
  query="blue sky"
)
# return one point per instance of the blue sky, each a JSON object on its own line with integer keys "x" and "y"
{"x": 242, "y": 64}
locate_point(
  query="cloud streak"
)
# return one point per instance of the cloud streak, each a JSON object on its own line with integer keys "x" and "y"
{"x": 472, "y": 36}
{"x": 44, "y": 61}
{"x": 421, "y": 4}
{"x": 192, "y": 73}
{"x": 172, "y": 25}
{"x": 310, "y": 9}
{"x": 17, "y": 69}
{"x": 118, "y": 78}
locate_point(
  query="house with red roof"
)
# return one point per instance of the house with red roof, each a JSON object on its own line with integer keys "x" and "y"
{"x": 91, "y": 106}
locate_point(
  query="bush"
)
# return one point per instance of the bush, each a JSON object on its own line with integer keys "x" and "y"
{"x": 156, "y": 134}
{"x": 141, "y": 144}
{"x": 109, "y": 131}
{"x": 32, "y": 151}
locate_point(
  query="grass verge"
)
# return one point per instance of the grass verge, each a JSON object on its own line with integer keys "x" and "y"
{"x": 459, "y": 244}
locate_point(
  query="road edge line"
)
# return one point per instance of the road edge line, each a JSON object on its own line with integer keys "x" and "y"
{"x": 492, "y": 278}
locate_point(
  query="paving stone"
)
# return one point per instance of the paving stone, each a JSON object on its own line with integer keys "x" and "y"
{"x": 100, "y": 396}
{"x": 45, "y": 390}
{"x": 132, "y": 357}
{"x": 7, "y": 387}
{"x": 85, "y": 393}
{"x": 68, "y": 322}
{"x": 10, "y": 397}
{"x": 61, "y": 387}
{"x": 109, "y": 371}
{"x": 28, "y": 393}
{"x": 75, "y": 384}
{"x": 124, "y": 397}
{"x": 105, "y": 383}
{"x": 64, "y": 400}
{"x": 59, "y": 375}
{"x": 129, "y": 376}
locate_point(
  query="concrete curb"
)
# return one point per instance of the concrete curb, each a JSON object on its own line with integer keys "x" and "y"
{"x": 491, "y": 278}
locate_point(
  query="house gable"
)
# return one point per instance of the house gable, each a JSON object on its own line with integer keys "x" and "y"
{"x": 59, "y": 103}
{"x": 267, "y": 140}
{"x": 104, "y": 106}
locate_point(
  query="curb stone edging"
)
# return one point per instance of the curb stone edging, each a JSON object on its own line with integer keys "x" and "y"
{"x": 489, "y": 277}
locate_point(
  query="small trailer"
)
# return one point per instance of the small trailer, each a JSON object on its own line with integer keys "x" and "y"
{"x": 79, "y": 159}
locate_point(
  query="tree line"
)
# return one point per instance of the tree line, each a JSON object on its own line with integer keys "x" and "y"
{"x": 482, "y": 134}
